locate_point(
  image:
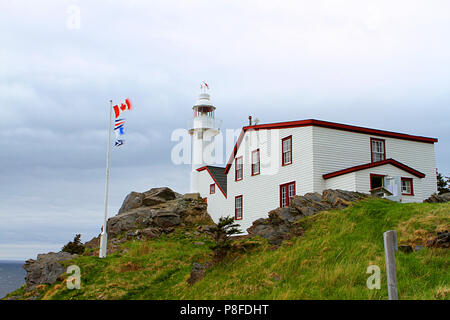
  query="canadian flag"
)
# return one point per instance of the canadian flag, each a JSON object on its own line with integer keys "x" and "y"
{"x": 118, "y": 109}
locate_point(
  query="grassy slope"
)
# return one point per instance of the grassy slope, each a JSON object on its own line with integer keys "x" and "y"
{"x": 328, "y": 262}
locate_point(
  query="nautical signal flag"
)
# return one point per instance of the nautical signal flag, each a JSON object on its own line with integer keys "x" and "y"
{"x": 118, "y": 109}
{"x": 118, "y": 130}
{"x": 119, "y": 123}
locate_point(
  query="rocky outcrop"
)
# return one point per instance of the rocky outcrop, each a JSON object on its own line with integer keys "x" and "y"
{"x": 438, "y": 198}
{"x": 149, "y": 198}
{"x": 45, "y": 269}
{"x": 149, "y": 214}
{"x": 281, "y": 222}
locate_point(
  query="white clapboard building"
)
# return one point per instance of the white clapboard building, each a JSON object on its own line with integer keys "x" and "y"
{"x": 272, "y": 162}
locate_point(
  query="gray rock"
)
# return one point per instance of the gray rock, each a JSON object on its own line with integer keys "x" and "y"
{"x": 158, "y": 208}
{"x": 151, "y": 233}
{"x": 438, "y": 198}
{"x": 163, "y": 193}
{"x": 441, "y": 241}
{"x": 45, "y": 269}
{"x": 152, "y": 197}
{"x": 198, "y": 272}
{"x": 134, "y": 219}
{"x": 152, "y": 201}
{"x": 132, "y": 201}
{"x": 192, "y": 196}
{"x": 405, "y": 248}
{"x": 281, "y": 222}
{"x": 166, "y": 219}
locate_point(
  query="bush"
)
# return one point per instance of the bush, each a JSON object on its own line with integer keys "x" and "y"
{"x": 443, "y": 183}
{"x": 222, "y": 232}
{"x": 75, "y": 246}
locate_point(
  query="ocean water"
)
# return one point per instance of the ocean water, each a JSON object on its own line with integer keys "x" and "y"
{"x": 12, "y": 276}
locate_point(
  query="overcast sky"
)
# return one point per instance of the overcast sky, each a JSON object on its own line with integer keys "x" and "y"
{"x": 380, "y": 64}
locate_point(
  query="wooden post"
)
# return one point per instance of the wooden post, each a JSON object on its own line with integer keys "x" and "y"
{"x": 390, "y": 246}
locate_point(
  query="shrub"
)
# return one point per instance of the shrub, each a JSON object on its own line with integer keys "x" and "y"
{"x": 222, "y": 232}
{"x": 75, "y": 246}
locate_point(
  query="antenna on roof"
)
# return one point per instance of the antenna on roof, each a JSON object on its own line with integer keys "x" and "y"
{"x": 256, "y": 121}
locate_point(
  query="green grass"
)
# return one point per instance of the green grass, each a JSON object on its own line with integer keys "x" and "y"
{"x": 328, "y": 262}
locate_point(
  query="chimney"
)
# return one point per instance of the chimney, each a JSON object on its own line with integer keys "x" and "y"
{"x": 249, "y": 120}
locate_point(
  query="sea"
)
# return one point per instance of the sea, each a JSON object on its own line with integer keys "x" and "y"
{"x": 12, "y": 276}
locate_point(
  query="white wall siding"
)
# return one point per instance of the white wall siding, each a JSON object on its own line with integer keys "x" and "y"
{"x": 337, "y": 149}
{"x": 363, "y": 180}
{"x": 217, "y": 203}
{"x": 344, "y": 182}
{"x": 315, "y": 151}
{"x": 261, "y": 193}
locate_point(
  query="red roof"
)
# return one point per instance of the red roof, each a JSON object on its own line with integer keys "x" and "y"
{"x": 325, "y": 124}
{"x": 393, "y": 162}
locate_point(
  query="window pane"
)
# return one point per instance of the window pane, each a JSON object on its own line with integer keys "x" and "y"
{"x": 238, "y": 209}
{"x": 291, "y": 190}
{"x": 406, "y": 186}
{"x": 377, "y": 150}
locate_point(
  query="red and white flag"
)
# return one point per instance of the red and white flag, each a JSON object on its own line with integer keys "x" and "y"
{"x": 118, "y": 109}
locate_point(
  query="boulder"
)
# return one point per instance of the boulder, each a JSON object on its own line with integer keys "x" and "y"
{"x": 152, "y": 201}
{"x": 163, "y": 193}
{"x": 339, "y": 199}
{"x": 158, "y": 208}
{"x": 281, "y": 222}
{"x": 283, "y": 215}
{"x": 405, "y": 248}
{"x": 150, "y": 233}
{"x": 438, "y": 198}
{"x": 275, "y": 233}
{"x": 132, "y": 200}
{"x": 192, "y": 196}
{"x": 45, "y": 269}
{"x": 198, "y": 272}
{"x": 151, "y": 197}
{"x": 93, "y": 243}
{"x": 166, "y": 219}
{"x": 442, "y": 240}
{"x": 139, "y": 218}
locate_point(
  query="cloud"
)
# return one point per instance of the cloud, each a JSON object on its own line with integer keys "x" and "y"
{"x": 382, "y": 65}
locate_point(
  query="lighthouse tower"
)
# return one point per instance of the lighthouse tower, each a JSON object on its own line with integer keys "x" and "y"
{"x": 203, "y": 132}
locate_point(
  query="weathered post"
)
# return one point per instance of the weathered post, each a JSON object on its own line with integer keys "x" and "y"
{"x": 390, "y": 246}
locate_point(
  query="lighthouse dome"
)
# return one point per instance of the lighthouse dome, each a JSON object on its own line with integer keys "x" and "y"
{"x": 203, "y": 100}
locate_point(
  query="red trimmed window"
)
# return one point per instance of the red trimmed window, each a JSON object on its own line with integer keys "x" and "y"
{"x": 287, "y": 192}
{"x": 212, "y": 188}
{"x": 239, "y": 169}
{"x": 407, "y": 187}
{"x": 377, "y": 149}
{"x": 286, "y": 151}
{"x": 238, "y": 208}
{"x": 255, "y": 162}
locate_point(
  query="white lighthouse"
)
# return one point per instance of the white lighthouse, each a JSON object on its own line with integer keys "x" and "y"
{"x": 203, "y": 132}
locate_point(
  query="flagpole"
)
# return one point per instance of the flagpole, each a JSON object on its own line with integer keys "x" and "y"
{"x": 104, "y": 235}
